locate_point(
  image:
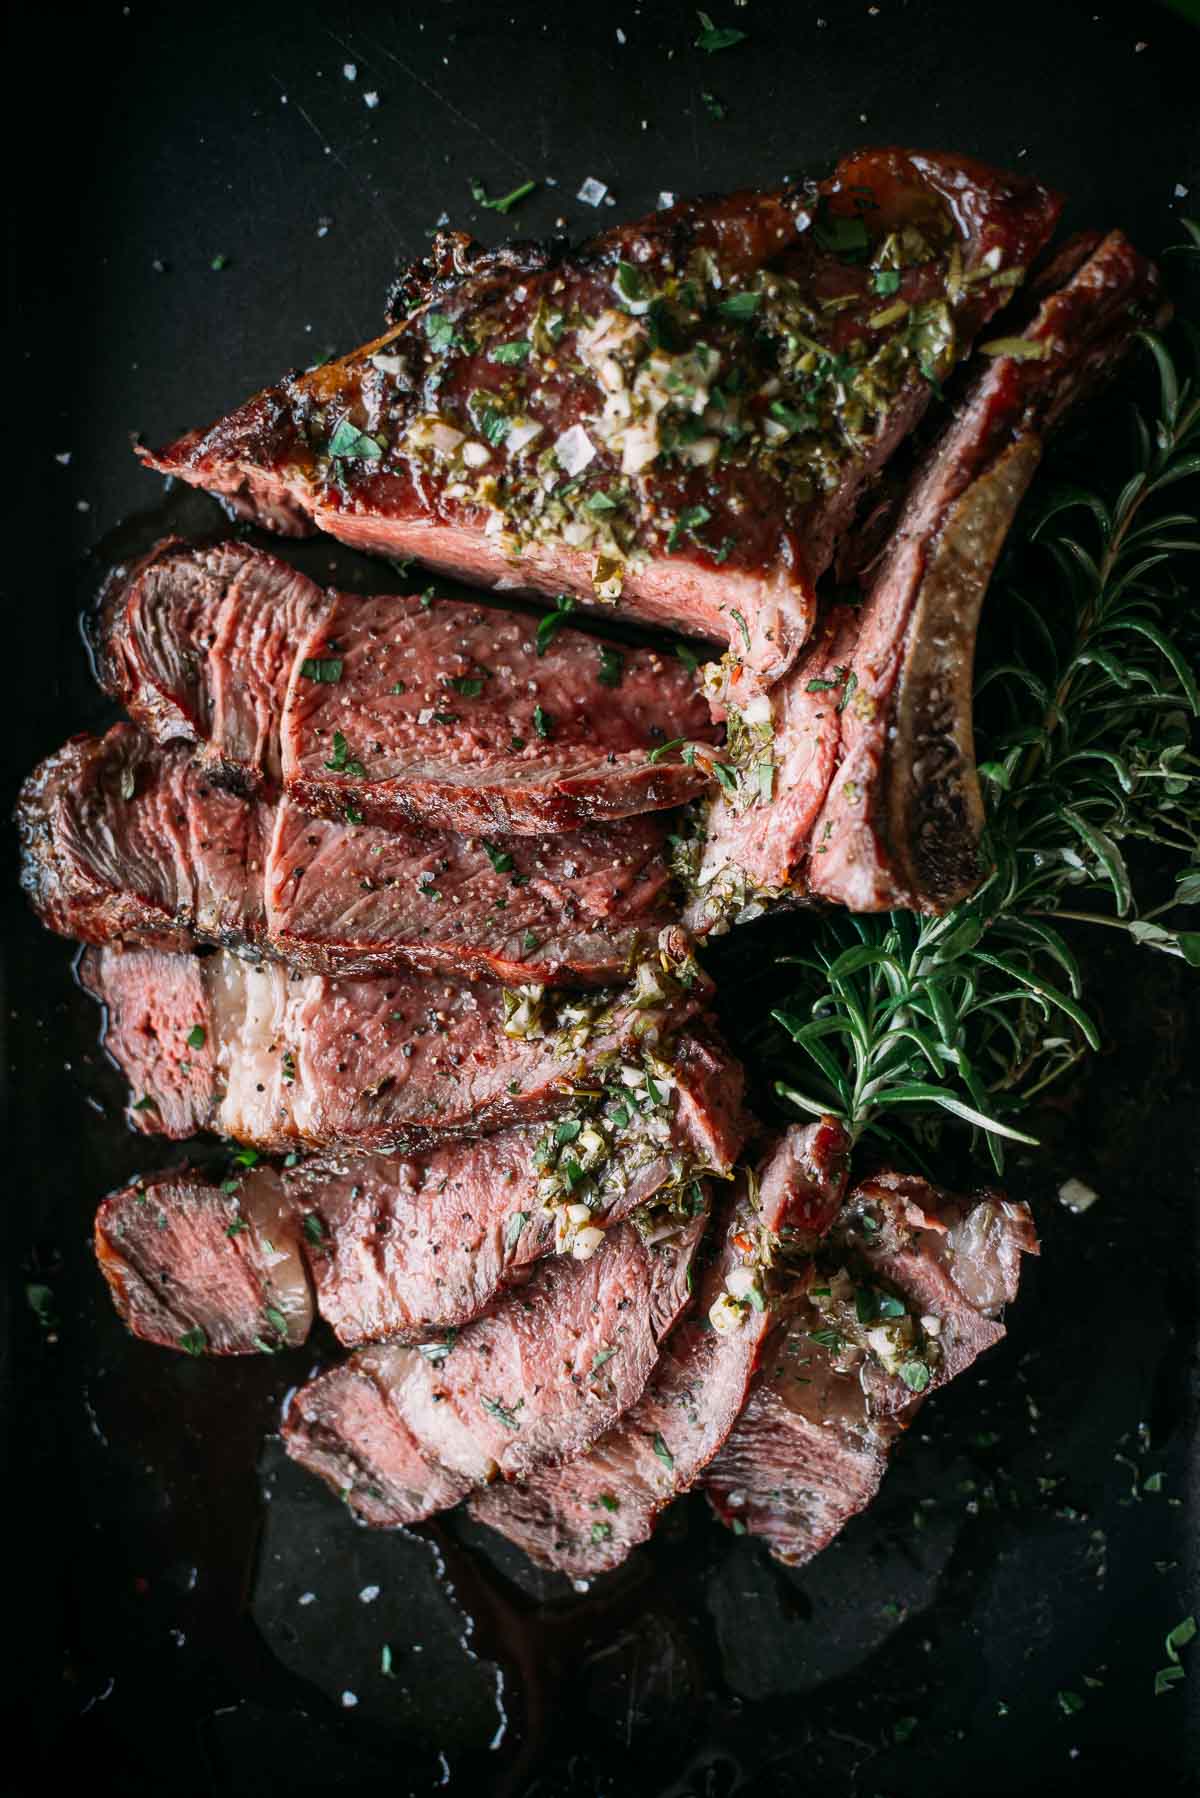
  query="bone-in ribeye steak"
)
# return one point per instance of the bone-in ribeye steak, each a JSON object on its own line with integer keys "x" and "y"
{"x": 870, "y": 796}
{"x": 124, "y": 842}
{"x": 393, "y": 709}
{"x": 681, "y": 416}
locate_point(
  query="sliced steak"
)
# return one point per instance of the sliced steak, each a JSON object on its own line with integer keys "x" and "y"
{"x": 398, "y": 1246}
{"x": 747, "y": 843}
{"x": 395, "y": 710}
{"x": 682, "y": 415}
{"x": 194, "y": 1267}
{"x": 912, "y": 1282}
{"x": 402, "y": 1432}
{"x": 280, "y": 1061}
{"x": 587, "y": 1516}
{"x": 902, "y": 822}
{"x": 126, "y": 842}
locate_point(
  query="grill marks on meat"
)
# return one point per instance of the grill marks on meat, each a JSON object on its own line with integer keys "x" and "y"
{"x": 393, "y": 1247}
{"x": 587, "y": 1516}
{"x": 564, "y": 425}
{"x": 811, "y": 1447}
{"x": 192, "y": 1267}
{"x": 402, "y": 1434}
{"x": 287, "y": 1061}
{"x": 446, "y": 714}
{"x": 124, "y": 842}
{"x": 902, "y": 821}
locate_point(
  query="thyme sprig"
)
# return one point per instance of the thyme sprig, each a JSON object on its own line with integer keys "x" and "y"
{"x": 1085, "y": 710}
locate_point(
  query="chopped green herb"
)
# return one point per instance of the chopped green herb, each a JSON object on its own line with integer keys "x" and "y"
{"x": 688, "y": 657}
{"x": 600, "y": 1357}
{"x": 385, "y": 1662}
{"x": 1069, "y": 1703}
{"x": 601, "y": 501}
{"x": 276, "y": 1319}
{"x": 516, "y": 1224}
{"x": 441, "y": 333}
{"x": 246, "y": 1157}
{"x": 495, "y": 1409}
{"x": 219, "y": 261}
{"x": 529, "y": 943}
{"x": 795, "y": 421}
{"x": 717, "y": 37}
{"x": 40, "y": 1300}
{"x": 314, "y": 1229}
{"x": 601, "y": 1532}
{"x": 193, "y": 1342}
{"x": 549, "y": 626}
{"x": 742, "y": 626}
{"x": 716, "y": 107}
{"x": 145, "y": 1103}
{"x": 656, "y": 755}
{"x": 689, "y": 522}
{"x": 237, "y": 1226}
{"x": 663, "y": 1452}
{"x": 328, "y": 669}
{"x": 341, "y": 761}
{"x": 506, "y": 202}
{"x": 612, "y": 666}
{"x": 851, "y": 682}
{"x": 516, "y": 350}
{"x": 840, "y": 235}
{"x": 631, "y": 283}
{"x": 740, "y": 306}
{"x": 351, "y": 814}
{"x": 543, "y": 723}
{"x": 349, "y": 442}
{"x": 500, "y": 859}
{"x": 903, "y": 1729}
{"x": 886, "y": 280}
{"x": 608, "y": 1501}
{"x": 196, "y": 1036}
{"x": 726, "y": 776}
{"x": 915, "y": 1375}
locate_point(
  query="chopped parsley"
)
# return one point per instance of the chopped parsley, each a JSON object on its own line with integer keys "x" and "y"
{"x": 601, "y": 1531}
{"x": 663, "y": 1452}
{"x": 543, "y": 723}
{"x": 687, "y": 523}
{"x": 715, "y": 107}
{"x": 601, "y": 1356}
{"x": 656, "y": 755}
{"x": 742, "y": 626}
{"x": 441, "y": 333}
{"x": 516, "y": 350}
{"x": 516, "y": 1224}
{"x": 549, "y": 626}
{"x": 886, "y": 280}
{"x": 631, "y": 283}
{"x": 612, "y": 666}
{"x": 246, "y": 1157}
{"x": 717, "y": 37}
{"x": 529, "y": 943}
{"x": 469, "y": 685}
{"x": 326, "y": 669}
{"x": 348, "y": 442}
{"x": 146, "y": 1103}
{"x": 193, "y": 1342}
{"x": 495, "y": 1409}
{"x": 740, "y": 306}
{"x": 500, "y": 859}
{"x": 505, "y": 203}
{"x": 341, "y": 761}
{"x": 314, "y": 1229}
{"x": 196, "y": 1036}
{"x": 688, "y": 657}
{"x": 916, "y": 1375}
{"x": 795, "y": 421}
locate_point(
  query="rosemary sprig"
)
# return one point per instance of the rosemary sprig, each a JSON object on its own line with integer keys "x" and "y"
{"x": 1084, "y": 716}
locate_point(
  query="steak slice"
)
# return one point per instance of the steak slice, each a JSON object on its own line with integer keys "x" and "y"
{"x": 396, "y": 1247}
{"x": 855, "y": 777}
{"x": 446, "y": 714}
{"x": 902, "y": 822}
{"x": 280, "y": 1061}
{"x": 682, "y": 414}
{"x": 915, "y": 1279}
{"x": 745, "y": 848}
{"x": 193, "y": 1267}
{"x": 125, "y": 842}
{"x": 401, "y": 1433}
{"x": 585, "y": 1517}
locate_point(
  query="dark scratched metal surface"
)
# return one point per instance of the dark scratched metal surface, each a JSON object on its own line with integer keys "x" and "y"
{"x": 185, "y": 1612}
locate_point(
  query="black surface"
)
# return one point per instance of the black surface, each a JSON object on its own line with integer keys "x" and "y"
{"x": 157, "y": 1553}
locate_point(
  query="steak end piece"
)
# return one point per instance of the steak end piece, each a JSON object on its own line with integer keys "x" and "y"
{"x": 681, "y": 416}
{"x": 192, "y": 1266}
{"x": 403, "y": 1432}
{"x": 912, "y": 1280}
{"x": 587, "y": 1516}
